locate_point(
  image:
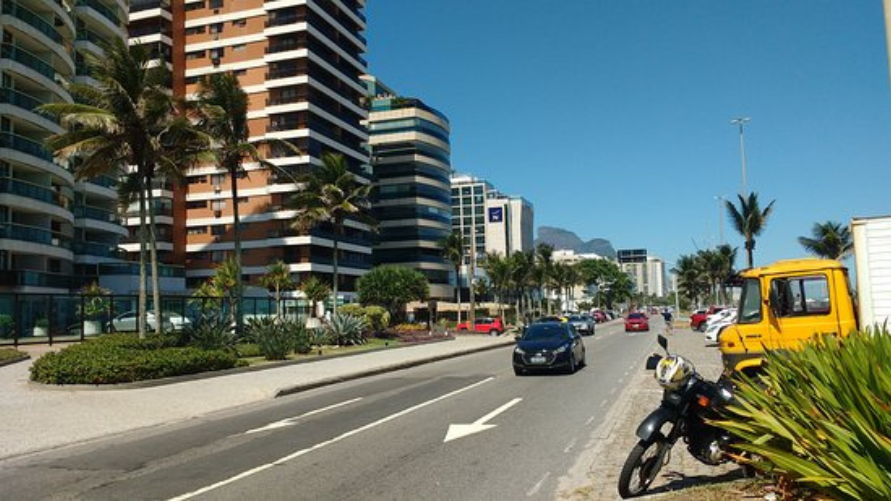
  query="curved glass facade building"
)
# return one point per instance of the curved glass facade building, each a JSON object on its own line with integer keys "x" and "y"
{"x": 410, "y": 153}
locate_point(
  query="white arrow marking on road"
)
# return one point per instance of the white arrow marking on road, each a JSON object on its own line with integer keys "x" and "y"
{"x": 457, "y": 431}
{"x": 292, "y": 421}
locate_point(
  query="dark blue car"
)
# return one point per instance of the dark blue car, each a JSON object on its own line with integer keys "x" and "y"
{"x": 549, "y": 346}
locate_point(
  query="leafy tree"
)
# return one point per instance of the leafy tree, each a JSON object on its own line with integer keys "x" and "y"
{"x": 128, "y": 119}
{"x": 453, "y": 250}
{"x": 611, "y": 282}
{"x": 522, "y": 275}
{"x": 829, "y": 240}
{"x": 498, "y": 270}
{"x": 544, "y": 261}
{"x": 392, "y": 287}
{"x": 749, "y": 220}
{"x": 220, "y": 286}
{"x": 331, "y": 194}
{"x": 315, "y": 290}
{"x": 278, "y": 278}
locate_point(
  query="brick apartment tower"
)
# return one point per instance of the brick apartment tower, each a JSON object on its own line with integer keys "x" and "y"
{"x": 300, "y": 62}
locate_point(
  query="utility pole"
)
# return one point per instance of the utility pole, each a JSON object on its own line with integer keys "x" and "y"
{"x": 741, "y": 122}
{"x": 721, "y": 199}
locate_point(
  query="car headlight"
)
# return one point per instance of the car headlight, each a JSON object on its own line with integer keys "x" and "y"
{"x": 519, "y": 350}
{"x": 561, "y": 349}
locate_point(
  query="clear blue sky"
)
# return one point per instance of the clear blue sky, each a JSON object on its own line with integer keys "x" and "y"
{"x": 612, "y": 116}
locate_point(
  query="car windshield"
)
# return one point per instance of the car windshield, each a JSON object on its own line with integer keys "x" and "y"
{"x": 635, "y": 316}
{"x": 545, "y": 331}
{"x": 576, "y": 319}
{"x": 549, "y": 319}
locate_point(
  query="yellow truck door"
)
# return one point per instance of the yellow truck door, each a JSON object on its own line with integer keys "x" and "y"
{"x": 801, "y": 307}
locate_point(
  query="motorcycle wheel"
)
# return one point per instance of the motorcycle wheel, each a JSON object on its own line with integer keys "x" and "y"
{"x": 641, "y": 467}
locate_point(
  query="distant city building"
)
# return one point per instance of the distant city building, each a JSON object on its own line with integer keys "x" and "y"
{"x": 509, "y": 224}
{"x": 410, "y": 152}
{"x": 647, "y": 272}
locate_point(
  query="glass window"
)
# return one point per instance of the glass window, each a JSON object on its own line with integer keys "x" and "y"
{"x": 750, "y": 302}
{"x": 801, "y": 296}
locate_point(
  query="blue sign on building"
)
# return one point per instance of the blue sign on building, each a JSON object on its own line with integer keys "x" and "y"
{"x": 496, "y": 214}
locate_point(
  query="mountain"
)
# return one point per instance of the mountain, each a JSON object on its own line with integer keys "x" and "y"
{"x": 565, "y": 239}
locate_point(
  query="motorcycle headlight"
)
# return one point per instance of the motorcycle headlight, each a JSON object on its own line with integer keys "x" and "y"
{"x": 519, "y": 350}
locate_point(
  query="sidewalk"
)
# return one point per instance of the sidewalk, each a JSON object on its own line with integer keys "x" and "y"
{"x": 616, "y": 437}
{"x": 35, "y": 417}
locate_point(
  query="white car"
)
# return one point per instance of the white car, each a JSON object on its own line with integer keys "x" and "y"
{"x": 128, "y": 322}
{"x": 714, "y": 329}
{"x": 719, "y": 317}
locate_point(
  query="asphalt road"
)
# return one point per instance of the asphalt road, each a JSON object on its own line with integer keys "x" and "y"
{"x": 389, "y": 437}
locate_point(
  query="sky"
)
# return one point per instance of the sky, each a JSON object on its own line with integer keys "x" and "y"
{"x": 613, "y": 116}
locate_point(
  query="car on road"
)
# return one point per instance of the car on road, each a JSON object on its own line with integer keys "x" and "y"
{"x": 599, "y": 316}
{"x": 583, "y": 324}
{"x": 551, "y": 318}
{"x": 549, "y": 346}
{"x": 485, "y": 325}
{"x": 128, "y": 322}
{"x": 637, "y": 321}
{"x": 698, "y": 318}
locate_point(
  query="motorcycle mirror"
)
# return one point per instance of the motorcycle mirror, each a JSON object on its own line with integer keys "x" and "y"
{"x": 663, "y": 342}
{"x": 653, "y": 361}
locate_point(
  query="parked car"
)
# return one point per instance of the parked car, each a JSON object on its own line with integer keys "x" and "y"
{"x": 698, "y": 318}
{"x": 719, "y": 317}
{"x": 599, "y": 316}
{"x": 549, "y": 346}
{"x": 584, "y": 324}
{"x": 128, "y": 322}
{"x": 715, "y": 327}
{"x": 552, "y": 318}
{"x": 484, "y": 324}
{"x": 637, "y": 321}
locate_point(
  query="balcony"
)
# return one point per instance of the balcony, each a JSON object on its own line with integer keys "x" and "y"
{"x": 25, "y": 145}
{"x": 95, "y": 213}
{"x": 140, "y": 5}
{"x": 106, "y": 12}
{"x": 12, "y": 231}
{"x": 19, "y": 99}
{"x": 33, "y": 191}
{"x": 98, "y": 249}
{"x": 104, "y": 181}
{"x": 85, "y": 35}
{"x": 35, "y": 279}
{"x": 19, "y": 55}
{"x": 15, "y": 10}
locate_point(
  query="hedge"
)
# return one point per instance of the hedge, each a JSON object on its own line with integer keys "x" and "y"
{"x": 124, "y": 358}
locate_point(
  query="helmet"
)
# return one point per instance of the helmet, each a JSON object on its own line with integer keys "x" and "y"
{"x": 673, "y": 372}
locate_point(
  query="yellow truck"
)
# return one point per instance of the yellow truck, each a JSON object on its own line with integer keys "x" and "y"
{"x": 789, "y": 302}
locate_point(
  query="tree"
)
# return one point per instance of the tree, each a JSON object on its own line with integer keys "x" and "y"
{"x": 749, "y": 220}
{"x": 315, "y": 290}
{"x": 221, "y": 111}
{"x": 453, "y": 250}
{"x": 331, "y": 194}
{"x": 692, "y": 279}
{"x": 544, "y": 257}
{"x": 829, "y": 240}
{"x": 497, "y": 268}
{"x": 278, "y": 278}
{"x": 128, "y": 120}
{"x": 522, "y": 271}
{"x": 392, "y": 287}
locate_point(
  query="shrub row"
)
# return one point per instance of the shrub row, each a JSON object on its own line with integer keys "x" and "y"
{"x": 123, "y": 358}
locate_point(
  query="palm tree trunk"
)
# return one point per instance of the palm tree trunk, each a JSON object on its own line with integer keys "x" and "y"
{"x": 236, "y": 231}
{"x": 153, "y": 249}
{"x": 143, "y": 240}
{"x": 334, "y": 262}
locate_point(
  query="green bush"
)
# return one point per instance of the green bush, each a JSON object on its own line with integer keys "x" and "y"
{"x": 123, "y": 358}
{"x": 247, "y": 350}
{"x": 273, "y": 337}
{"x": 377, "y": 318}
{"x": 345, "y": 330}
{"x": 210, "y": 331}
{"x": 822, "y": 416}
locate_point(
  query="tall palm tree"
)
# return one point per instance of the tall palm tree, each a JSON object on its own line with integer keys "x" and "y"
{"x": 453, "y": 250}
{"x": 221, "y": 110}
{"x": 691, "y": 277}
{"x": 829, "y": 240}
{"x": 544, "y": 254}
{"x": 278, "y": 278}
{"x": 331, "y": 194}
{"x": 522, "y": 267}
{"x": 749, "y": 220}
{"x": 128, "y": 120}
{"x": 498, "y": 270}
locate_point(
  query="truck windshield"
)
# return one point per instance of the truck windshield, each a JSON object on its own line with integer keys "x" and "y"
{"x": 750, "y": 302}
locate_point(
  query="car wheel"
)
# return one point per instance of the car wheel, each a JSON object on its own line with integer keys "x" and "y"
{"x": 584, "y": 361}
{"x": 571, "y": 368}
{"x": 494, "y": 332}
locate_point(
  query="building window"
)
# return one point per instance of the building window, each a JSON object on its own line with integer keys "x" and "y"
{"x": 194, "y": 6}
{"x": 197, "y": 179}
{"x": 216, "y": 4}
{"x": 217, "y": 179}
{"x": 219, "y": 229}
{"x": 197, "y": 204}
{"x": 217, "y": 53}
{"x": 216, "y": 28}
{"x": 240, "y": 73}
{"x": 191, "y": 80}
{"x": 217, "y": 204}
{"x": 217, "y": 256}
{"x": 241, "y": 23}
{"x": 238, "y": 48}
{"x": 197, "y": 230}
{"x": 196, "y": 30}
{"x": 198, "y": 54}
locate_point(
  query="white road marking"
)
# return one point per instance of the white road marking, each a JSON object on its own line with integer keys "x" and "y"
{"x": 292, "y": 421}
{"x": 326, "y": 443}
{"x": 603, "y": 403}
{"x": 457, "y": 431}
{"x": 537, "y": 487}
{"x": 570, "y": 445}
{"x": 613, "y": 391}
{"x": 592, "y": 418}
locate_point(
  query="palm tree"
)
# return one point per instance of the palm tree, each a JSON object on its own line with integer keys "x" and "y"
{"x": 315, "y": 290}
{"x": 691, "y": 277}
{"x": 278, "y": 278}
{"x": 749, "y": 220}
{"x": 331, "y": 194}
{"x": 829, "y": 240}
{"x": 453, "y": 250}
{"x": 498, "y": 270}
{"x": 522, "y": 267}
{"x": 544, "y": 254}
{"x": 128, "y": 120}
{"x": 221, "y": 110}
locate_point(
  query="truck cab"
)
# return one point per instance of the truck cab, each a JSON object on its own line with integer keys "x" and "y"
{"x": 782, "y": 306}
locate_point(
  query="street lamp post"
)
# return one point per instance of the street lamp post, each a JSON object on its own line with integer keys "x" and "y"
{"x": 741, "y": 122}
{"x": 721, "y": 199}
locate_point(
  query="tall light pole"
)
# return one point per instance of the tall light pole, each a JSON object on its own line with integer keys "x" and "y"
{"x": 721, "y": 199}
{"x": 741, "y": 122}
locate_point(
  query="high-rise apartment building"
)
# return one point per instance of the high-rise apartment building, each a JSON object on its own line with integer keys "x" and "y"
{"x": 509, "y": 224}
{"x": 646, "y": 271}
{"x": 300, "y": 63}
{"x": 409, "y": 143}
{"x": 55, "y": 234}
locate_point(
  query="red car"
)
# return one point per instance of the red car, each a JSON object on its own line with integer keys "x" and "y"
{"x": 599, "y": 316}
{"x": 486, "y": 325}
{"x": 637, "y": 322}
{"x": 697, "y": 319}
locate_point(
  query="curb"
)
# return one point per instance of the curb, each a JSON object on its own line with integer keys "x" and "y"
{"x": 14, "y": 360}
{"x": 291, "y": 390}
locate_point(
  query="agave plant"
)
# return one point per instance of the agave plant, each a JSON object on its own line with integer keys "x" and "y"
{"x": 273, "y": 337}
{"x": 822, "y": 416}
{"x": 345, "y": 330}
{"x": 210, "y": 331}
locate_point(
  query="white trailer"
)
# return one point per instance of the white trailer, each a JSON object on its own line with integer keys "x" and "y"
{"x": 872, "y": 256}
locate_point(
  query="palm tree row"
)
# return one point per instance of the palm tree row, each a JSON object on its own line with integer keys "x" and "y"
{"x": 130, "y": 127}
{"x": 703, "y": 275}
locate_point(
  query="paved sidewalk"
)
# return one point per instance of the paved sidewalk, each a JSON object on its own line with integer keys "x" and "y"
{"x": 614, "y": 440}
{"x": 35, "y": 417}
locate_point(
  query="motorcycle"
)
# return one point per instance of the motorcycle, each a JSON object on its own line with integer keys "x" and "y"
{"x": 687, "y": 402}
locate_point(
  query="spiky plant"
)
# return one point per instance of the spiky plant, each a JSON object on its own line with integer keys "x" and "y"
{"x": 345, "y": 330}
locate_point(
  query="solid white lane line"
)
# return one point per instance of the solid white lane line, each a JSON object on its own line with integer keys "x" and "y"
{"x": 293, "y": 420}
{"x": 592, "y": 418}
{"x": 537, "y": 487}
{"x": 326, "y": 443}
